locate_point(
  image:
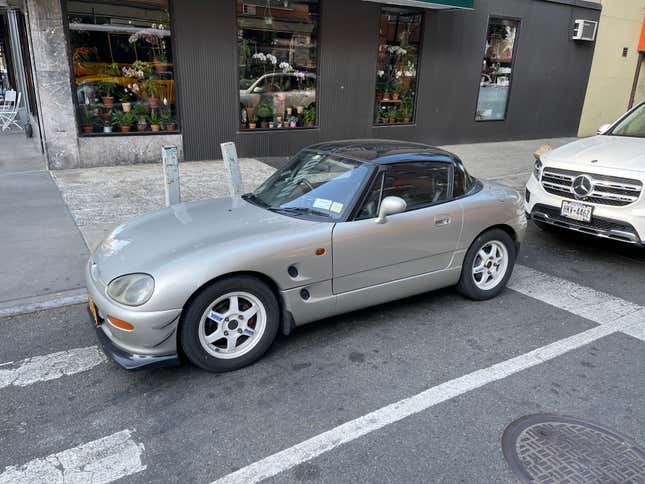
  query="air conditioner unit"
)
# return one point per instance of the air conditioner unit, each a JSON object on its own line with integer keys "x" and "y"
{"x": 585, "y": 30}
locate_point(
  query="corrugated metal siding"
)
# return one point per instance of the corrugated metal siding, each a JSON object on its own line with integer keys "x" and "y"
{"x": 549, "y": 79}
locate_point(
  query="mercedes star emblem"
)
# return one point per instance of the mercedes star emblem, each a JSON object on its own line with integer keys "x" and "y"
{"x": 582, "y": 186}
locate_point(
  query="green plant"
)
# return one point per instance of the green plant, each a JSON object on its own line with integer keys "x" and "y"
{"x": 105, "y": 89}
{"x": 88, "y": 116}
{"x": 167, "y": 118}
{"x": 264, "y": 111}
{"x": 124, "y": 97}
{"x": 253, "y": 118}
{"x": 154, "y": 117}
{"x": 140, "y": 110}
{"x": 121, "y": 118}
{"x": 309, "y": 114}
{"x": 149, "y": 87}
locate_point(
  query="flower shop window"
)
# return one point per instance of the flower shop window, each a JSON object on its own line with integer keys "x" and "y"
{"x": 278, "y": 63}
{"x": 497, "y": 69}
{"x": 123, "y": 74}
{"x": 397, "y": 63}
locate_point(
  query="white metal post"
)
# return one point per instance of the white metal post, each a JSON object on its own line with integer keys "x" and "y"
{"x": 232, "y": 165}
{"x": 170, "y": 175}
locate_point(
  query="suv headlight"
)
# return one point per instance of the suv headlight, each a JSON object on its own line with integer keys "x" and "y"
{"x": 537, "y": 169}
{"x": 131, "y": 289}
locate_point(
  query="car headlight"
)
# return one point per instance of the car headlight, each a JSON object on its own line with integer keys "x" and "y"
{"x": 537, "y": 169}
{"x": 131, "y": 289}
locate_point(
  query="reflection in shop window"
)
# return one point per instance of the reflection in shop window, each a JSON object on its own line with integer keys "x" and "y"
{"x": 497, "y": 67}
{"x": 396, "y": 71}
{"x": 277, "y": 43}
{"x": 123, "y": 70}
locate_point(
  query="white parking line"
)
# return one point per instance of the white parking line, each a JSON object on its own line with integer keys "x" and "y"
{"x": 582, "y": 301}
{"x": 100, "y": 461}
{"x": 50, "y": 367}
{"x": 612, "y": 313}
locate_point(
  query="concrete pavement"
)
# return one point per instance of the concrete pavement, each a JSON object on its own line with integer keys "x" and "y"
{"x": 42, "y": 249}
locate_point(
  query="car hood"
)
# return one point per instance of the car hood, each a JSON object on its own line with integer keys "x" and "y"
{"x": 148, "y": 242}
{"x": 617, "y": 152}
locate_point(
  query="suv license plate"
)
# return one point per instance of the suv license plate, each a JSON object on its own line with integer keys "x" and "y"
{"x": 576, "y": 211}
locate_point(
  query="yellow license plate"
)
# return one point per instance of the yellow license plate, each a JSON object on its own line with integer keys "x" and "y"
{"x": 92, "y": 307}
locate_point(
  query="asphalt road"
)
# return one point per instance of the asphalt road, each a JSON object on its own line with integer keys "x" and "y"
{"x": 183, "y": 424}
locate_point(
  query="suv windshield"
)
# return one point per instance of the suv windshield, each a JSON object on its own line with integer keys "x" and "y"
{"x": 632, "y": 125}
{"x": 313, "y": 183}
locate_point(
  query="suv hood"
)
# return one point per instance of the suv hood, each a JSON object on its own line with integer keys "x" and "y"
{"x": 148, "y": 242}
{"x": 617, "y": 152}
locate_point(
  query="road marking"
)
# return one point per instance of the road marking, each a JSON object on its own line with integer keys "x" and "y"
{"x": 612, "y": 313}
{"x": 582, "y": 301}
{"x": 100, "y": 461}
{"x": 50, "y": 367}
{"x": 40, "y": 303}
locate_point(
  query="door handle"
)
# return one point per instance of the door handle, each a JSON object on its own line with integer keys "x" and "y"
{"x": 442, "y": 220}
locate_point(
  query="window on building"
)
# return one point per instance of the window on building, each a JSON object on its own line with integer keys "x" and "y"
{"x": 397, "y": 62}
{"x": 122, "y": 66}
{"x": 497, "y": 69}
{"x": 278, "y": 63}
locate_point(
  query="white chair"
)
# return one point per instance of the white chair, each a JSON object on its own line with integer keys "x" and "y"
{"x": 8, "y": 101}
{"x": 8, "y": 115}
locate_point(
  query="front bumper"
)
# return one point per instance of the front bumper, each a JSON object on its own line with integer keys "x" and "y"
{"x": 153, "y": 341}
{"x": 623, "y": 224}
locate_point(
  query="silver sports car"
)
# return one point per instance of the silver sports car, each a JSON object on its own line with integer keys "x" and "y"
{"x": 343, "y": 226}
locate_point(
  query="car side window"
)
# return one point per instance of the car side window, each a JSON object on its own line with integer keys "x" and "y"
{"x": 418, "y": 183}
{"x": 372, "y": 200}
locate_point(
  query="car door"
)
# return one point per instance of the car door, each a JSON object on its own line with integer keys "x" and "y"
{"x": 420, "y": 240}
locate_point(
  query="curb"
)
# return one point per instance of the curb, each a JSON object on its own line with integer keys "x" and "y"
{"x": 40, "y": 303}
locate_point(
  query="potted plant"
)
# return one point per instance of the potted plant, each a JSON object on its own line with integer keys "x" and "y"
{"x": 168, "y": 121}
{"x": 124, "y": 99}
{"x": 150, "y": 89}
{"x": 154, "y": 121}
{"x": 391, "y": 115}
{"x": 123, "y": 120}
{"x": 253, "y": 119}
{"x": 407, "y": 112}
{"x": 397, "y": 92}
{"x": 386, "y": 94}
{"x": 88, "y": 119}
{"x": 107, "y": 126}
{"x": 309, "y": 116}
{"x": 106, "y": 91}
{"x": 264, "y": 113}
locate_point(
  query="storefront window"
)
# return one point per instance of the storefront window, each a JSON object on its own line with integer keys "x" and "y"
{"x": 277, "y": 43}
{"x": 123, "y": 71}
{"x": 497, "y": 67}
{"x": 396, "y": 70}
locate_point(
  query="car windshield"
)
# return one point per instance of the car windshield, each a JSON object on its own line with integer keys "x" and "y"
{"x": 318, "y": 184}
{"x": 632, "y": 125}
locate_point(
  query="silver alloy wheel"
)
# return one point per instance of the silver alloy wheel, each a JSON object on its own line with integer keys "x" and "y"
{"x": 232, "y": 325}
{"x": 490, "y": 265}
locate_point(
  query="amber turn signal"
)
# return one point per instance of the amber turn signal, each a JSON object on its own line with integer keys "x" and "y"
{"x": 120, "y": 323}
{"x": 320, "y": 251}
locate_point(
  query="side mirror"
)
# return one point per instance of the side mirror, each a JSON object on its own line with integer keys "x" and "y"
{"x": 390, "y": 206}
{"x": 603, "y": 129}
{"x": 258, "y": 90}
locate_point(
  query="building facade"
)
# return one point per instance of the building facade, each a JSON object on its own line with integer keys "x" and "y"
{"x": 617, "y": 79}
{"x": 117, "y": 80}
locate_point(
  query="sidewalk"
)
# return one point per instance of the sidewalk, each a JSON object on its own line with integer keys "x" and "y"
{"x": 42, "y": 249}
{"x": 46, "y": 238}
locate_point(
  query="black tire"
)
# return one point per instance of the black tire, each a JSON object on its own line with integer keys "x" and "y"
{"x": 466, "y": 285}
{"x": 189, "y": 328}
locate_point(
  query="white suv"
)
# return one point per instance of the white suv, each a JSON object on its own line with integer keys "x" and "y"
{"x": 594, "y": 185}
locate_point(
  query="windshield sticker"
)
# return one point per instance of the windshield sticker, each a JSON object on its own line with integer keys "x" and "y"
{"x": 336, "y": 207}
{"x": 322, "y": 203}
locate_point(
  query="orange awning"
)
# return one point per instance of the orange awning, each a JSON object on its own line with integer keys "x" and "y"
{"x": 641, "y": 43}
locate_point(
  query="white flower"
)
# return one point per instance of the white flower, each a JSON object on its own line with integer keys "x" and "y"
{"x": 380, "y": 73}
{"x": 286, "y": 67}
{"x": 259, "y": 56}
{"x": 271, "y": 58}
{"x": 398, "y": 74}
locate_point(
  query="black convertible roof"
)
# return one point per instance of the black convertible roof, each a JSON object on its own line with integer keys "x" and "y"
{"x": 378, "y": 150}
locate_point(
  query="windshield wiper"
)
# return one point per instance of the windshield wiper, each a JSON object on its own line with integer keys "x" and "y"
{"x": 254, "y": 199}
{"x": 299, "y": 210}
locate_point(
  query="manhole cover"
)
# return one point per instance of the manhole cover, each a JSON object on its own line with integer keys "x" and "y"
{"x": 555, "y": 449}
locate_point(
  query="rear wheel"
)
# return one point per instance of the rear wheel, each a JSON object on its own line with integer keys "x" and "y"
{"x": 488, "y": 265}
{"x": 230, "y": 324}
